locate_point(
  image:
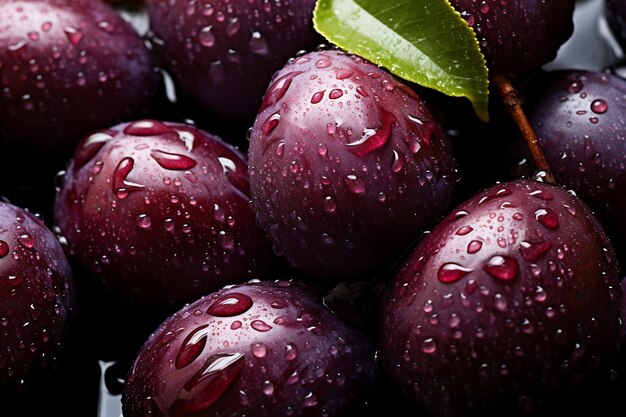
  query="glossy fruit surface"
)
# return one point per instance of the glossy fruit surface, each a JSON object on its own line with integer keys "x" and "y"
{"x": 347, "y": 165}
{"x": 69, "y": 67}
{"x": 580, "y": 120}
{"x": 36, "y": 299}
{"x": 258, "y": 349}
{"x": 510, "y": 302}
{"x": 518, "y": 36}
{"x": 223, "y": 53}
{"x": 160, "y": 212}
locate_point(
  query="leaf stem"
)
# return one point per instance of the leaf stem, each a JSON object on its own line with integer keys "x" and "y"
{"x": 511, "y": 101}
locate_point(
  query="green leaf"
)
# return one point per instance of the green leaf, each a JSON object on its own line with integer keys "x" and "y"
{"x": 423, "y": 41}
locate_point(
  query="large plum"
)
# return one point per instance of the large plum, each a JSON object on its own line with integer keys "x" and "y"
{"x": 69, "y": 67}
{"x": 510, "y": 302}
{"x": 222, "y": 53}
{"x": 160, "y": 212}
{"x": 37, "y": 297}
{"x": 347, "y": 165}
{"x": 257, "y": 349}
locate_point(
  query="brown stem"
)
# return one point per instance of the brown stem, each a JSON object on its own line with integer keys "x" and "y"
{"x": 513, "y": 105}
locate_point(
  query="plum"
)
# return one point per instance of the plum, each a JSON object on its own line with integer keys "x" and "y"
{"x": 69, "y": 67}
{"x": 580, "y": 123}
{"x": 254, "y": 349}
{"x": 160, "y": 212}
{"x": 37, "y": 299}
{"x": 509, "y": 303}
{"x": 222, "y": 53}
{"x": 518, "y": 36}
{"x": 347, "y": 165}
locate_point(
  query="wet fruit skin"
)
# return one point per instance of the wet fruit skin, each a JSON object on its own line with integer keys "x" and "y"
{"x": 223, "y": 53}
{"x": 518, "y": 36}
{"x": 69, "y": 67}
{"x": 509, "y": 303}
{"x": 347, "y": 165}
{"x": 37, "y": 298}
{"x": 256, "y": 349}
{"x": 579, "y": 120}
{"x": 160, "y": 212}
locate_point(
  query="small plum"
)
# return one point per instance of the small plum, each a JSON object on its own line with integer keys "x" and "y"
{"x": 222, "y": 53}
{"x": 37, "y": 299}
{"x": 69, "y": 67}
{"x": 347, "y": 165}
{"x": 160, "y": 212}
{"x": 256, "y": 349}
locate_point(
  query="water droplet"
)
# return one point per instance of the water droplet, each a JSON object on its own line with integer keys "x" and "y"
{"x": 452, "y": 272}
{"x": 310, "y": 400}
{"x": 229, "y": 305}
{"x": 398, "y": 162}
{"x": 503, "y": 268}
{"x": 547, "y": 217}
{"x": 259, "y": 350}
{"x": 121, "y": 185}
{"x": 260, "y": 326}
{"x": 26, "y": 240}
{"x": 532, "y": 251}
{"x": 323, "y": 63}
{"x": 354, "y": 184}
{"x": 574, "y": 86}
{"x": 317, "y": 97}
{"x": 4, "y": 248}
{"x": 360, "y": 90}
{"x": 146, "y": 128}
{"x": 499, "y": 302}
{"x": 329, "y": 205}
{"x": 208, "y": 385}
{"x": 46, "y": 26}
{"x": 143, "y": 221}
{"x": 226, "y": 240}
{"x": 291, "y": 352}
{"x": 599, "y": 106}
{"x": 335, "y": 93}
{"x": 192, "y": 347}
{"x": 106, "y": 27}
{"x": 474, "y": 246}
{"x": 33, "y": 36}
{"x": 278, "y": 89}
{"x": 271, "y": 123}
{"x": 464, "y": 230}
{"x": 542, "y": 194}
{"x": 258, "y": 44}
{"x": 172, "y": 161}
{"x": 429, "y": 346}
{"x": 374, "y": 139}
{"x": 233, "y": 27}
{"x": 206, "y": 37}
{"x": 268, "y": 388}
{"x": 73, "y": 35}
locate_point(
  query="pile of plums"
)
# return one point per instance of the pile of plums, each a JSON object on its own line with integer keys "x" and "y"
{"x": 226, "y": 215}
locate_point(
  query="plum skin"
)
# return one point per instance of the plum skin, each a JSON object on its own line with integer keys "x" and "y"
{"x": 519, "y": 36}
{"x": 580, "y": 124}
{"x": 160, "y": 213}
{"x": 70, "y": 66}
{"x": 347, "y": 165}
{"x": 461, "y": 340}
{"x": 289, "y": 355}
{"x": 222, "y": 54}
{"x": 37, "y": 299}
